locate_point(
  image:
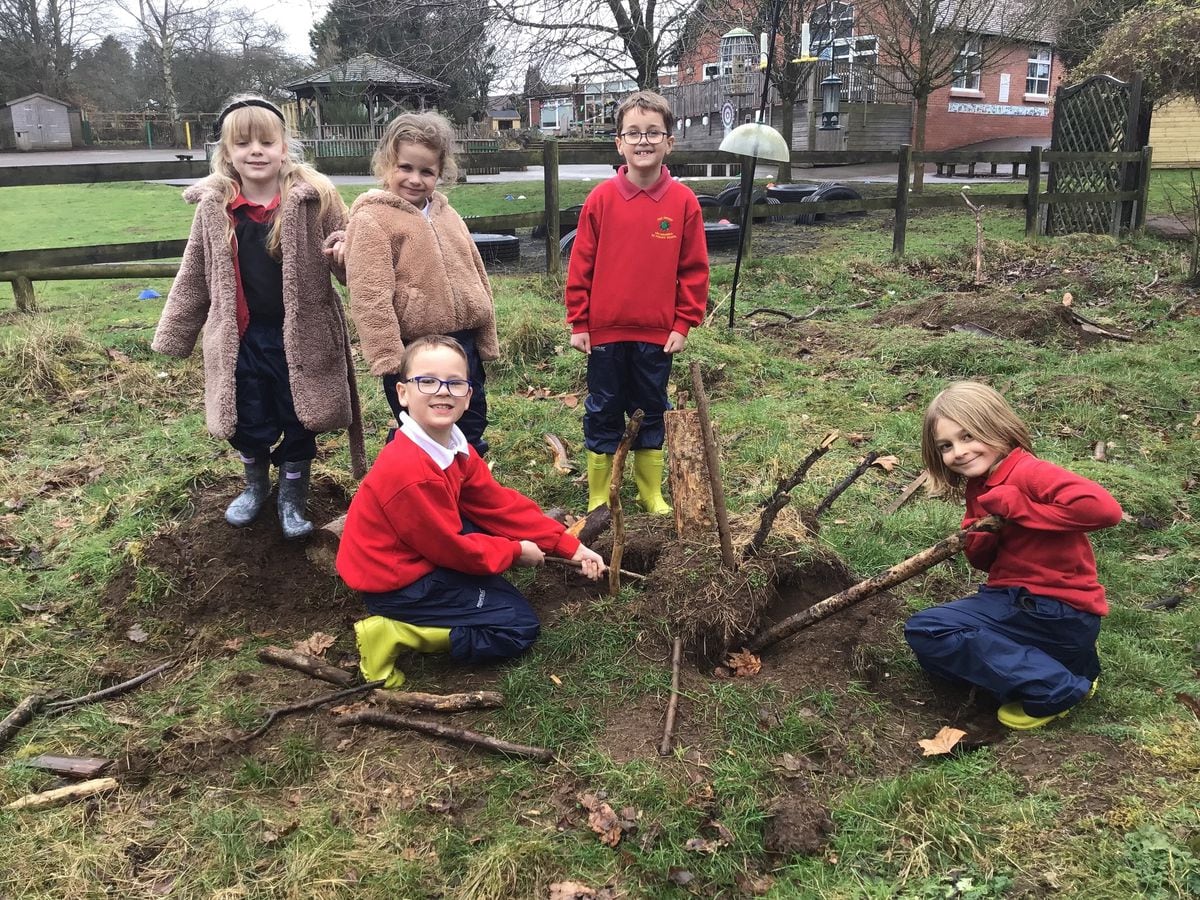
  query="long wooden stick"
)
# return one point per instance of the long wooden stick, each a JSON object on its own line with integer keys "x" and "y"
{"x": 914, "y": 565}
{"x": 839, "y": 489}
{"x": 409, "y": 700}
{"x": 720, "y": 512}
{"x": 62, "y": 794}
{"x": 115, "y": 691}
{"x": 576, "y": 564}
{"x": 21, "y": 716}
{"x": 436, "y": 729}
{"x": 614, "y": 499}
{"x": 276, "y": 714}
{"x": 906, "y": 494}
{"x": 309, "y": 665}
{"x": 778, "y": 500}
{"x": 664, "y": 748}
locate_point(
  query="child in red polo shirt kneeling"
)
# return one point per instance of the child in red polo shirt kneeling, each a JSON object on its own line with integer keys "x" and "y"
{"x": 430, "y": 531}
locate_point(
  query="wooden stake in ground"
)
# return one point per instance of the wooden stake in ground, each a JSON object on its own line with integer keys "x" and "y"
{"x": 322, "y": 546}
{"x": 21, "y": 716}
{"x": 276, "y": 714}
{"x": 714, "y": 469}
{"x": 912, "y": 566}
{"x": 978, "y": 212}
{"x": 664, "y": 748}
{"x": 63, "y": 794}
{"x": 115, "y": 691}
{"x": 778, "y": 500}
{"x": 687, "y": 471}
{"x": 614, "y": 499}
{"x": 436, "y": 729}
{"x": 309, "y": 665}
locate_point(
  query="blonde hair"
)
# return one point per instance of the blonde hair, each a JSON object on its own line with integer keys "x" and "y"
{"x": 429, "y": 342}
{"x": 427, "y": 129}
{"x": 262, "y": 123}
{"x": 647, "y": 101}
{"x": 984, "y": 414}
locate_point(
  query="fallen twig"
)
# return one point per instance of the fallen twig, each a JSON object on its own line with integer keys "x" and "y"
{"x": 309, "y": 665}
{"x": 714, "y": 468}
{"x": 275, "y": 715}
{"x": 664, "y": 748}
{"x": 70, "y": 766}
{"x": 778, "y": 500}
{"x": 410, "y": 700}
{"x": 576, "y": 564}
{"x": 62, "y": 794}
{"x": 903, "y": 571}
{"x": 766, "y": 310}
{"x": 906, "y": 494}
{"x": 1095, "y": 327}
{"x": 558, "y": 451}
{"x": 614, "y": 499}
{"x": 436, "y": 729}
{"x": 21, "y": 716}
{"x": 839, "y": 489}
{"x": 115, "y": 691}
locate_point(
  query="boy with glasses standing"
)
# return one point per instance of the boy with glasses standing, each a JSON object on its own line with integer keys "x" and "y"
{"x": 637, "y": 283}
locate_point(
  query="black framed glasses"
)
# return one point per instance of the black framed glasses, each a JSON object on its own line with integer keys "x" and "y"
{"x": 635, "y": 137}
{"x": 427, "y": 384}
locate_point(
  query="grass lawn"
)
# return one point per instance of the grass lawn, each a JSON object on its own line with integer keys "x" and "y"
{"x": 804, "y": 781}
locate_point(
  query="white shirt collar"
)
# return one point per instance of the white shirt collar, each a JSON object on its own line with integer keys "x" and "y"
{"x": 443, "y": 456}
{"x": 427, "y": 208}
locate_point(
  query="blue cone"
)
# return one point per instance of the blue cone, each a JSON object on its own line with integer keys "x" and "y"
{"x": 149, "y": 294}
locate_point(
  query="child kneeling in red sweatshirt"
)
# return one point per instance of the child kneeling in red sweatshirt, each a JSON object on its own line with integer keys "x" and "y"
{"x": 430, "y": 531}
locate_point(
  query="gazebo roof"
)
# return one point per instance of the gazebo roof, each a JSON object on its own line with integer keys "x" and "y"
{"x": 367, "y": 69}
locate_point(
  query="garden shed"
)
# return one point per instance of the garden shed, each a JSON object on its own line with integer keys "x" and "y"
{"x": 35, "y": 122}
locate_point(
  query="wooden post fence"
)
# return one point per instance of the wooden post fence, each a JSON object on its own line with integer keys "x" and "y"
{"x": 1033, "y": 177}
{"x": 902, "y": 180}
{"x": 553, "y": 224}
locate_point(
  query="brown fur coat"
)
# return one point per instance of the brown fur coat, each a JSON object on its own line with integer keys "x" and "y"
{"x": 316, "y": 340}
{"x": 410, "y": 276}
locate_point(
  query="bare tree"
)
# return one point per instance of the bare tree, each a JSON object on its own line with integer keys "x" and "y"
{"x": 39, "y": 40}
{"x": 925, "y": 45}
{"x": 631, "y": 37}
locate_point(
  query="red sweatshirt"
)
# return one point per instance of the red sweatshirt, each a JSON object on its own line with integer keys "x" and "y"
{"x": 1044, "y": 548}
{"x": 639, "y": 265}
{"x": 406, "y": 518}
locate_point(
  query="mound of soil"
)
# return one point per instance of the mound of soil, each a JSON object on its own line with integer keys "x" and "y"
{"x": 208, "y": 573}
{"x": 1037, "y": 319}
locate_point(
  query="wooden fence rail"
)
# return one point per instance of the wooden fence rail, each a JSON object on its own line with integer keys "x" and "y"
{"x": 128, "y": 260}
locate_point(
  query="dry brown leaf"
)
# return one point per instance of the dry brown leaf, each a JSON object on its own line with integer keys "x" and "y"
{"x": 570, "y": 401}
{"x": 700, "y": 845}
{"x": 1068, "y": 299}
{"x": 887, "y": 463}
{"x": 755, "y": 885}
{"x": 347, "y": 709}
{"x": 1189, "y": 701}
{"x": 315, "y": 644}
{"x": 942, "y": 742}
{"x": 602, "y": 819}
{"x": 855, "y": 438}
{"x": 829, "y": 438}
{"x": 744, "y": 664}
{"x": 571, "y": 890}
{"x": 137, "y": 634}
{"x": 233, "y": 645}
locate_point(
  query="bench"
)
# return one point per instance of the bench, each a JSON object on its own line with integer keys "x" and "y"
{"x": 183, "y": 157}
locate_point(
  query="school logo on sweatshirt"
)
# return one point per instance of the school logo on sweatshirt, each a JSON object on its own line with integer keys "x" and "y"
{"x": 663, "y": 230}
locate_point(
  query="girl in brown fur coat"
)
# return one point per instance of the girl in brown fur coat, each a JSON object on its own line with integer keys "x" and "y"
{"x": 255, "y": 278}
{"x": 413, "y": 269}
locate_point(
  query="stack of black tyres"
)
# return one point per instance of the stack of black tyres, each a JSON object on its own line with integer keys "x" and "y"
{"x": 830, "y": 190}
{"x": 495, "y": 248}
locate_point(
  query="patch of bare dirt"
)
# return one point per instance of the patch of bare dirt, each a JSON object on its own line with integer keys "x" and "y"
{"x": 798, "y": 824}
{"x": 1038, "y": 319}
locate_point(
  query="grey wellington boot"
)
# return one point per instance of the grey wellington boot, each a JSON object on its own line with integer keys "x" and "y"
{"x": 249, "y": 503}
{"x": 293, "y": 496}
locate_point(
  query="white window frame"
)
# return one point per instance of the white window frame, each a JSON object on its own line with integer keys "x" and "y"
{"x": 968, "y": 68}
{"x": 835, "y": 32}
{"x": 1037, "y": 73}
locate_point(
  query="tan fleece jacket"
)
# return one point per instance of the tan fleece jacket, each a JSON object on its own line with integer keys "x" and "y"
{"x": 410, "y": 276}
{"x": 315, "y": 337}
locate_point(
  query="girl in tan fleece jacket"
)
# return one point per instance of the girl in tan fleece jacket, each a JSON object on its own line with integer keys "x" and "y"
{"x": 254, "y": 279}
{"x": 412, "y": 267}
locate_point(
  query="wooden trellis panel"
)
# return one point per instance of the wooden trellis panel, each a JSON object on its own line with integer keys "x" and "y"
{"x": 1098, "y": 115}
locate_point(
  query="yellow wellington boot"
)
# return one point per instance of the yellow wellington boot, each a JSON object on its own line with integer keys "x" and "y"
{"x": 380, "y": 640}
{"x": 599, "y": 471}
{"x": 647, "y": 472}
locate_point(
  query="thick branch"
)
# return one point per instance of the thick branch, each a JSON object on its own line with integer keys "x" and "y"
{"x": 614, "y": 499}
{"x": 435, "y": 729}
{"x": 21, "y": 716}
{"x": 778, "y": 500}
{"x": 303, "y": 662}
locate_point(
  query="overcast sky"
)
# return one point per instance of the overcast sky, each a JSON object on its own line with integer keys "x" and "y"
{"x": 294, "y": 18}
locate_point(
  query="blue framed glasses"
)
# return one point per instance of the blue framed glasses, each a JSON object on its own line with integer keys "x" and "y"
{"x": 427, "y": 384}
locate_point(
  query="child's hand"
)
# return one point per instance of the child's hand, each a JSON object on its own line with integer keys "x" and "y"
{"x": 592, "y": 563}
{"x": 531, "y": 554}
{"x": 675, "y": 342}
{"x": 336, "y": 255}
{"x": 582, "y": 341}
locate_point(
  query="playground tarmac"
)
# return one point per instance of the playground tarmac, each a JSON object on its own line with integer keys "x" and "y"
{"x": 881, "y": 173}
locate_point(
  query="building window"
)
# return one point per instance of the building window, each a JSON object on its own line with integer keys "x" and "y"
{"x": 967, "y": 67}
{"x": 832, "y": 26}
{"x": 1037, "y": 78}
{"x": 711, "y": 71}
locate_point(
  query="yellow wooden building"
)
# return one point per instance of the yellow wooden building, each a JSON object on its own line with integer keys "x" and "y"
{"x": 1175, "y": 135}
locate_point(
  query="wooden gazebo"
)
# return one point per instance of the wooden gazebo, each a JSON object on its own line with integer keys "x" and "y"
{"x": 376, "y": 83}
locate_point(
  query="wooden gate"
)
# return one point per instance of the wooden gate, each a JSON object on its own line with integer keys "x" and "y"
{"x": 1098, "y": 115}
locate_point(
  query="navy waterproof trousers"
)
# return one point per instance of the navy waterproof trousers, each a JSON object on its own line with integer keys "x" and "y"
{"x": 488, "y": 618}
{"x": 623, "y": 377}
{"x": 1019, "y": 647}
{"x": 265, "y": 409}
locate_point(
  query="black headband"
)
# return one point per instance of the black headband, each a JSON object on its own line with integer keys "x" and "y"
{"x": 244, "y": 104}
